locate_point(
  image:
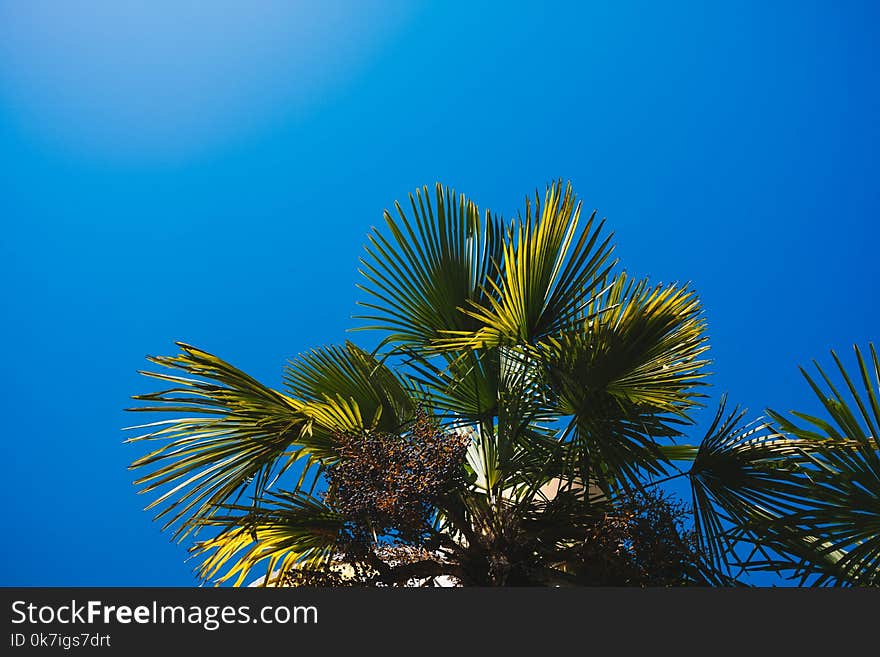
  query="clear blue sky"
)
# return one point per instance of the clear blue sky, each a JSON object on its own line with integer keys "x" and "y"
{"x": 171, "y": 172}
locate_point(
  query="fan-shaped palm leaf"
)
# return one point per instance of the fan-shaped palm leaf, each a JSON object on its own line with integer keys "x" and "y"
{"x": 840, "y": 522}
{"x": 744, "y": 479}
{"x": 547, "y": 274}
{"x": 243, "y": 433}
{"x": 290, "y": 531}
{"x": 346, "y": 388}
{"x": 627, "y": 374}
{"x": 430, "y": 267}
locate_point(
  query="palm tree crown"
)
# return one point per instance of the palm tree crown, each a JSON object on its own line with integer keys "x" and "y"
{"x": 525, "y": 399}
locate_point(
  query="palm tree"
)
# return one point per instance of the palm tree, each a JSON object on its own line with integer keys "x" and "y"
{"x": 551, "y": 388}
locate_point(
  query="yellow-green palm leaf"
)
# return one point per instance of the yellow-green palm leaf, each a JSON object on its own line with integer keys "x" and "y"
{"x": 548, "y": 272}
{"x": 626, "y": 376}
{"x": 234, "y": 432}
{"x": 290, "y": 531}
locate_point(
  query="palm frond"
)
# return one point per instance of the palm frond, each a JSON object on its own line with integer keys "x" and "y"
{"x": 463, "y": 387}
{"x": 639, "y": 345}
{"x": 546, "y": 276}
{"x": 291, "y": 530}
{"x": 627, "y": 374}
{"x": 840, "y": 523}
{"x": 745, "y": 478}
{"x": 242, "y": 433}
{"x": 342, "y": 388}
{"x": 432, "y": 265}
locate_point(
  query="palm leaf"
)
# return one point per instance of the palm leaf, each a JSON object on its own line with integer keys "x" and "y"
{"x": 627, "y": 374}
{"x": 840, "y": 523}
{"x": 744, "y": 479}
{"x": 343, "y": 388}
{"x": 464, "y": 387}
{"x": 431, "y": 265}
{"x": 242, "y": 433}
{"x": 638, "y": 345}
{"x": 290, "y": 531}
{"x": 546, "y": 276}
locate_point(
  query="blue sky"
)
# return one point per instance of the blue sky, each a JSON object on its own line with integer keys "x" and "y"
{"x": 174, "y": 171}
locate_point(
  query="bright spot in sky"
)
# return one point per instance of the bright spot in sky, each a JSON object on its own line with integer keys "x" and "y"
{"x": 141, "y": 80}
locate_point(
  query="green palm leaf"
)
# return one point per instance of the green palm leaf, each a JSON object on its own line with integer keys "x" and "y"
{"x": 242, "y": 433}
{"x": 342, "y": 388}
{"x": 546, "y": 276}
{"x": 431, "y": 266}
{"x": 744, "y": 479}
{"x": 840, "y": 523}
{"x": 627, "y": 375}
{"x": 463, "y": 387}
{"x": 290, "y": 531}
